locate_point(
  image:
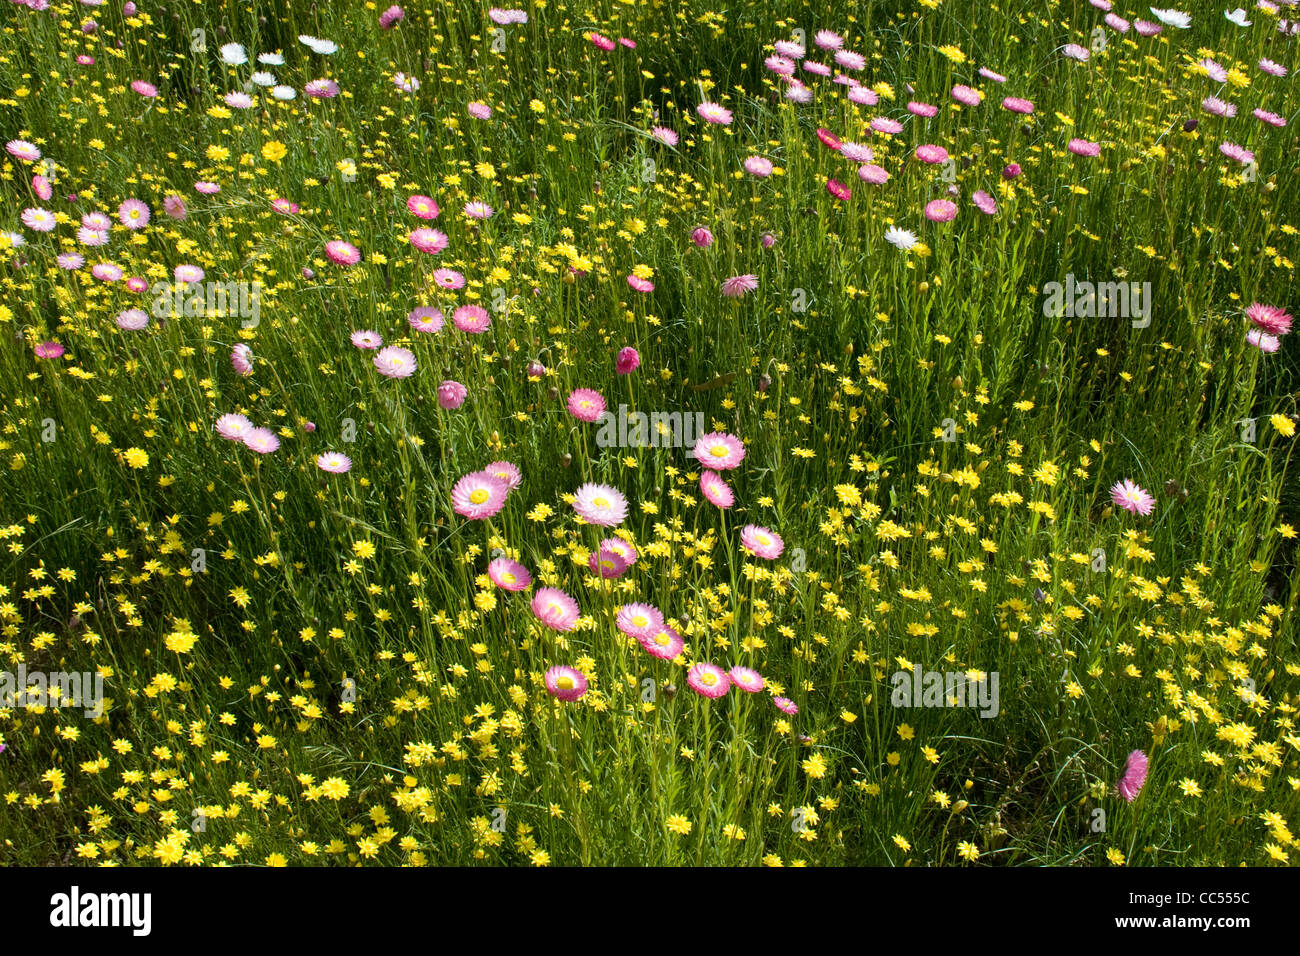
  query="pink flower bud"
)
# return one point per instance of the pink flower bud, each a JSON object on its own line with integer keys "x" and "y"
{"x": 452, "y": 394}
{"x": 627, "y": 361}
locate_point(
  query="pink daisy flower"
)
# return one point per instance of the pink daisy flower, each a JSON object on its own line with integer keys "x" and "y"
{"x": 1082, "y": 147}
{"x": 713, "y": 113}
{"x": 758, "y": 166}
{"x": 49, "y": 350}
{"x": 1116, "y": 23}
{"x": 233, "y": 427}
{"x": 665, "y": 643}
{"x": 41, "y": 186}
{"x": 1272, "y": 68}
{"x": 815, "y": 68}
{"x": 1076, "y": 52}
{"x": 1134, "y": 776}
{"x": 664, "y": 135}
{"x": 425, "y": 319}
{"x": 509, "y": 575}
{"x": 174, "y": 207}
{"x": 837, "y": 189}
{"x": 566, "y": 683}
{"x": 507, "y": 472}
{"x": 284, "y": 206}
{"x": 342, "y": 253}
{"x": 1016, "y": 104}
{"x": 479, "y": 495}
{"x": 622, "y": 549}
{"x": 857, "y": 152}
{"x": 477, "y": 210}
{"x": 850, "y": 60}
{"x": 966, "y": 96}
{"x": 719, "y": 451}
{"x": 984, "y": 203}
{"x": 925, "y": 110}
{"x": 873, "y": 175}
{"x": 864, "y": 96}
{"x": 639, "y": 620}
{"x": 1240, "y": 154}
{"x": 395, "y": 362}
{"x": 780, "y": 65}
{"x": 829, "y": 139}
{"x": 1217, "y": 107}
{"x": 21, "y": 149}
{"x": 737, "y": 286}
{"x": 431, "y": 241}
{"x": 106, "y": 272}
{"x": 449, "y": 279}
{"x": 761, "y": 542}
{"x": 334, "y": 463}
{"x": 708, "y": 680}
{"x": 262, "y": 440}
{"x": 132, "y": 320}
{"x": 887, "y": 126}
{"x": 1272, "y": 119}
{"x": 423, "y": 207}
{"x": 716, "y": 490}
{"x": 586, "y": 404}
{"x": 828, "y": 39}
{"x": 391, "y": 17}
{"x": 790, "y": 48}
{"x": 206, "y": 188}
{"x": 367, "y": 339}
{"x": 1263, "y": 341}
{"x": 929, "y": 153}
{"x": 321, "y": 89}
{"x": 147, "y": 90}
{"x": 471, "y": 318}
{"x": 38, "y": 220}
{"x": 479, "y": 110}
{"x": 639, "y": 284}
{"x": 1125, "y": 494}
{"x": 990, "y": 75}
{"x": 940, "y": 210}
{"x": 188, "y": 274}
{"x": 606, "y": 563}
{"x": 747, "y": 679}
{"x": 785, "y": 705}
{"x": 600, "y": 505}
{"x": 555, "y": 609}
{"x": 1269, "y": 318}
{"x": 133, "y": 213}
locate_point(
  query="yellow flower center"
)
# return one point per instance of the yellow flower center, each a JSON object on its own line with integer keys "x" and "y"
{"x": 719, "y": 451}
{"x": 640, "y": 620}
{"x": 662, "y": 639}
{"x": 600, "y": 502}
{"x": 479, "y": 495}
{"x": 764, "y": 539}
{"x": 508, "y": 578}
{"x": 707, "y": 679}
{"x": 564, "y": 683}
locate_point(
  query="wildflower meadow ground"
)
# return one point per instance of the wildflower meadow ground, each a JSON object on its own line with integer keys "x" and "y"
{"x": 671, "y": 432}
